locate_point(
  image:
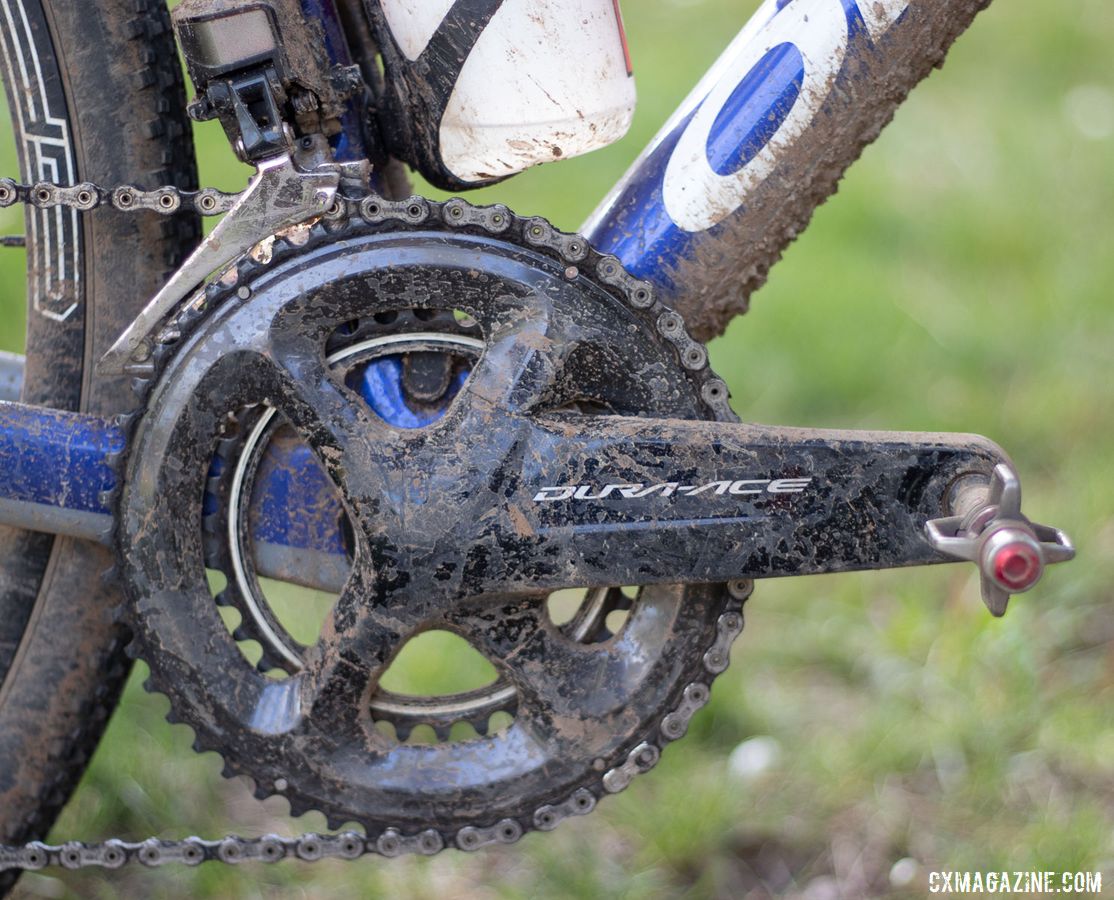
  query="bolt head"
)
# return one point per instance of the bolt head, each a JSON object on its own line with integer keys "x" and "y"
{"x": 1017, "y": 567}
{"x": 1012, "y": 559}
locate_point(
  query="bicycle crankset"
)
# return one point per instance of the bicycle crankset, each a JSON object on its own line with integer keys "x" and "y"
{"x": 444, "y": 413}
{"x": 273, "y": 377}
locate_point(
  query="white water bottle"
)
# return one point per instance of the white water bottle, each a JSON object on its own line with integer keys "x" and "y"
{"x": 480, "y": 90}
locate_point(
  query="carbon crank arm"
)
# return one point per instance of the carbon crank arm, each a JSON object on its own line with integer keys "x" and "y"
{"x": 603, "y": 500}
{"x": 611, "y": 500}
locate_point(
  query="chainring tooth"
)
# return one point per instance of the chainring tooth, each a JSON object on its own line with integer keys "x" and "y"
{"x": 541, "y": 812}
{"x": 216, "y": 549}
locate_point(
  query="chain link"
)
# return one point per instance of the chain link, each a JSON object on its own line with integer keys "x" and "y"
{"x": 126, "y": 198}
{"x": 348, "y": 845}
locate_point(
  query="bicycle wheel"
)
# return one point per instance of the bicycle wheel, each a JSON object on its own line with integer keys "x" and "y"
{"x": 95, "y": 93}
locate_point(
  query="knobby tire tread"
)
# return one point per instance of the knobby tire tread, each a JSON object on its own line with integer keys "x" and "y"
{"x": 126, "y": 101}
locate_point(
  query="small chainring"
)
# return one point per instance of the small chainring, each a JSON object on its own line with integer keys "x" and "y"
{"x": 591, "y": 709}
{"x": 425, "y": 347}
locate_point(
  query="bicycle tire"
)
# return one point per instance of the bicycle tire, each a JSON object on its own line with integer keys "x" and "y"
{"x": 95, "y": 87}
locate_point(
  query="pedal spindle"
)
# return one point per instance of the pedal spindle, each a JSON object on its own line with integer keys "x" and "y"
{"x": 991, "y": 531}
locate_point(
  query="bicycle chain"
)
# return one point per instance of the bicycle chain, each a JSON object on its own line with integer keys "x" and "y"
{"x": 348, "y": 845}
{"x": 126, "y": 198}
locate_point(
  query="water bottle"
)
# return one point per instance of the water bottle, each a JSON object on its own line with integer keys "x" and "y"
{"x": 483, "y": 89}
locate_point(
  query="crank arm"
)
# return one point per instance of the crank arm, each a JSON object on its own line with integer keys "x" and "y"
{"x": 610, "y": 500}
{"x": 279, "y": 194}
{"x": 637, "y": 501}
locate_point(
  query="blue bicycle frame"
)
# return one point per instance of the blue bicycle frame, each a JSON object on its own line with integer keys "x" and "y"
{"x": 722, "y": 163}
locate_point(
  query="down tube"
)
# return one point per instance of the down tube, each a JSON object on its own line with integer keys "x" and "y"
{"x": 762, "y": 140}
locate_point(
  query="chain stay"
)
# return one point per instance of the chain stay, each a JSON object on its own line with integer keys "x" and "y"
{"x": 126, "y": 198}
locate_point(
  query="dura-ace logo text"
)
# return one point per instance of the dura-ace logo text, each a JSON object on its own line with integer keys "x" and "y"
{"x": 627, "y": 491}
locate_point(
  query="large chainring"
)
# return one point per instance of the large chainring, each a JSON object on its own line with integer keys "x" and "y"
{"x": 271, "y": 342}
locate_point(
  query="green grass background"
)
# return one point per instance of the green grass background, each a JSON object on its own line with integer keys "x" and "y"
{"x": 960, "y": 281}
